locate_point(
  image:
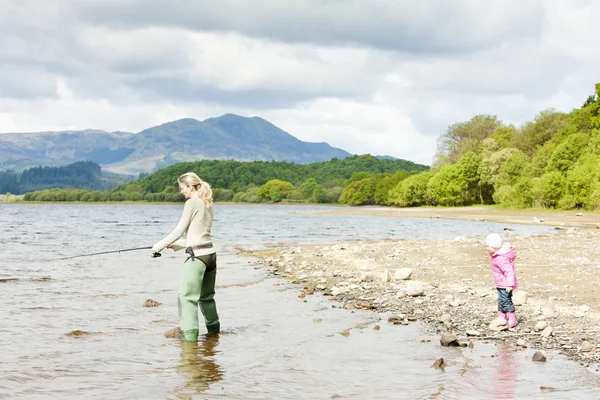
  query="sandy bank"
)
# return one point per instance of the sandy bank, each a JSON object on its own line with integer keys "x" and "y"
{"x": 481, "y": 213}
{"x": 558, "y": 272}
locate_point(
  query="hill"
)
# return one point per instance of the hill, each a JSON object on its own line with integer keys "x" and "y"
{"x": 229, "y": 137}
{"x": 79, "y": 175}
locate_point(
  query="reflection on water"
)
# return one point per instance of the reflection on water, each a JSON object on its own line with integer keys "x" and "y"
{"x": 198, "y": 366}
{"x": 505, "y": 382}
{"x": 499, "y": 380}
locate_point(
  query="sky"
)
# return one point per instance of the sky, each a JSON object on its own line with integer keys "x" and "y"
{"x": 385, "y": 77}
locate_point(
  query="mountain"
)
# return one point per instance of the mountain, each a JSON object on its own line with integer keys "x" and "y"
{"x": 227, "y": 137}
{"x": 23, "y": 150}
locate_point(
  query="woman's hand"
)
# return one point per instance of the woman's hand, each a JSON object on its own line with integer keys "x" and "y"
{"x": 169, "y": 246}
{"x": 509, "y": 289}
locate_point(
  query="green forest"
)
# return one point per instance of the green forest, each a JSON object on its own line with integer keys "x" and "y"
{"x": 552, "y": 161}
{"x": 261, "y": 181}
{"x": 82, "y": 174}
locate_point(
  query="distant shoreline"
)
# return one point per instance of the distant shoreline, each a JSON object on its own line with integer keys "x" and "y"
{"x": 559, "y": 218}
{"x": 282, "y": 204}
{"x": 546, "y": 217}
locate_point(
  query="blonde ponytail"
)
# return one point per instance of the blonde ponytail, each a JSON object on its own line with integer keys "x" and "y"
{"x": 203, "y": 189}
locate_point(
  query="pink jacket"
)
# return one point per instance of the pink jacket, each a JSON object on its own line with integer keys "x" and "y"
{"x": 503, "y": 266}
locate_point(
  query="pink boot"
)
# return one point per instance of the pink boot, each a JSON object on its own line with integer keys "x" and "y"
{"x": 501, "y": 315}
{"x": 512, "y": 319}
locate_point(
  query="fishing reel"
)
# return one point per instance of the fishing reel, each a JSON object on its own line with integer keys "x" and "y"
{"x": 155, "y": 255}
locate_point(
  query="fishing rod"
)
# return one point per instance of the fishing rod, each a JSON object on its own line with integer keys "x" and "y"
{"x": 107, "y": 252}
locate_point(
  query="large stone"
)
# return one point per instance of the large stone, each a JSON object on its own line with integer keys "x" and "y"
{"x": 449, "y": 340}
{"x": 445, "y": 318}
{"x": 151, "y": 303}
{"x": 539, "y": 356}
{"x": 473, "y": 333}
{"x": 585, "y": 309}
{"x": 367, "y": 277}
{"x": 415, "y": 289}
{"x": 386, "y": 276}
{"x": 587, "y": 347}
{"x": 547, "y": 332}
{"x": 540, "y": 326}
{"x": 403, "y": 274}
{"x": 397, "y": 319}
{"x": 174, "y": 333}
{"x": 519, "y": 297}
{"x": 499, "y": 324}
{"x": 549, "y": 311}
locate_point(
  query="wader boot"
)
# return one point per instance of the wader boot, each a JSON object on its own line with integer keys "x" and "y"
{"x": 197, "y": 288}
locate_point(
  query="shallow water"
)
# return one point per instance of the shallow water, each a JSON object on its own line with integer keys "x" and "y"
{"x": 77, "y": 329}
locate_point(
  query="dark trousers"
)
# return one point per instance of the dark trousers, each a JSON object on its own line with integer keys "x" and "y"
{"x": 505, "y": 303}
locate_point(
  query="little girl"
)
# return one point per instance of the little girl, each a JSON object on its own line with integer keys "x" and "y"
{"x": 502, "y": 259}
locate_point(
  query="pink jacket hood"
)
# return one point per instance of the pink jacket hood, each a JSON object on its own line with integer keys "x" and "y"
{"x": 503, "y": 266}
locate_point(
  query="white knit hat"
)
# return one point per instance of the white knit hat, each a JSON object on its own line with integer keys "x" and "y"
{"x": 493, "y": 240}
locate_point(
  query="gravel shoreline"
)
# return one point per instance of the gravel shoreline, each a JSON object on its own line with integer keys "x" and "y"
{"x": 450, "y": 286}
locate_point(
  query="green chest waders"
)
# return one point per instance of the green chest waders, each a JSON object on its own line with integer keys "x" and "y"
{"x": 197, "y": 288}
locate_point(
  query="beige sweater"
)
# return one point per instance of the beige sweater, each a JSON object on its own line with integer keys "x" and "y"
{"x": 195, "y": 224}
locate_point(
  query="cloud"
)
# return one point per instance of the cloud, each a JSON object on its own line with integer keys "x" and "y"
{"x": 380, "y": 76}
{"x": 377, "y": 128}
{"x": 229, "y": 68}
{"x": 406, "y": 26}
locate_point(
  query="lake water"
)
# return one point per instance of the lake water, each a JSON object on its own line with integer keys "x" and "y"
{"x": 76, "y": 329}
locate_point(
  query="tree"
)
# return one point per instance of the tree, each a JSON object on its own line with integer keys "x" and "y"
{"x": 412, "y": 191}
{"x": 540, "y": 159}
{"x": 581, "y": 182}
{"x": 318, "y": 195}
{"x": 332, "y": 195}
{"x": 357, "y": 176}
{"x": 359, "y": 192}
{"x": 469, "y": 170}
{"x": 463, "y": 137}
{"x": 446, "y": 188}
{"x": 593, "y": 104}
{"x": 308, "y": 187}
{"x": 223, "y": 194}
{"x": 505, "y": 167}
{"x": 536, "y": 133}
{"x": 567, "y": 152}
{"x": 275, "y": 194}
{"x": 135, "y": 196}
{"x": 384, "y": 184}
{"x": 133, "y": 188}
{"x": 549, "y": 189}
{"x": 118, "y": 196}
{"x": 519, "y": 194}
{"x": 504, "y": 136}
{"x": 266, "y": 191}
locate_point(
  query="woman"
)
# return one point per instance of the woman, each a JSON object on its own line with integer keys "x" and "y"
{"x": 200, "y": 268}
